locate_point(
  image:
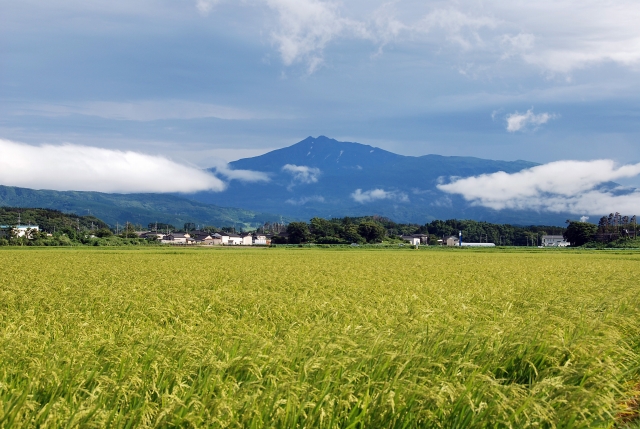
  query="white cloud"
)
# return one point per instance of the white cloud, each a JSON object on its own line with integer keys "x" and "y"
{"x": 556, "y": 35}
{"x": 244, "y": 175}
{"x": 82, "y": 168}
{"x": 561, "y": 187}
{"x": 223, "y": 169}
{"x": 378, "y": 194}
{"x": 456, "y": 26}
{"x": 521, "y": 121}
{"x": 304, "y": 200}
{"x": 302, "y": 173}
{"x": 305, "y": 27}
{"x": 205, "y": 6}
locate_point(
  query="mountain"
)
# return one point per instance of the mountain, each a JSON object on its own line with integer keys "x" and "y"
{"x": 135, "y": 208}
{"x": 328, "y": 178}
{"x": 315, "y": 177}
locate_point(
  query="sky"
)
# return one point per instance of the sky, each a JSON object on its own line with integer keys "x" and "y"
{"x": 201, "y": 82}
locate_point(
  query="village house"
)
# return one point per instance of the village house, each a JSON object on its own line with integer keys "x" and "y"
{"x": 20, "y": 230}
{"x": 554, "y": 241}
{"x": 453, "y": 241}
{"x": 202, "y": 237}
{"x": 416, "y": 239}
{"x": 233, "y": 240}
{"x": 260, "y": 240}
{"x": 178, "y": 238}
{"x": 150, "y": 234}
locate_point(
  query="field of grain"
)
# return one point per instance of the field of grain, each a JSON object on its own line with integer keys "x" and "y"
{"x": 318, "y": 338}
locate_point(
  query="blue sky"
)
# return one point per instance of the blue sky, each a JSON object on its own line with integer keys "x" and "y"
{"x": 203, "y": 80}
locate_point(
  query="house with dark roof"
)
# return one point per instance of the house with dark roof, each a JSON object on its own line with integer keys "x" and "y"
{"x": 416, "y": 239}
{"x": 178, "y": 238}
{"x": 202, "y": 237}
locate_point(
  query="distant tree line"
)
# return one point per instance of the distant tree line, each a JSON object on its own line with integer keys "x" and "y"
{"x": 614, "y": 230}
{"x": 58, "y": 228}
{"x": 374, "y": 229}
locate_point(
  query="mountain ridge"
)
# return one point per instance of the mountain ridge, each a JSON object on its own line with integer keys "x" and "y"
{"x": 320, "y": 176}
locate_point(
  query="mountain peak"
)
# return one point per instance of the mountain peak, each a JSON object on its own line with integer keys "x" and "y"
{"x": 320, "y": 152}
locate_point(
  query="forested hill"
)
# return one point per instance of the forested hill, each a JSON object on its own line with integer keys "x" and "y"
{"x": 48, "y": 220}
{"x": 135, "y": 208}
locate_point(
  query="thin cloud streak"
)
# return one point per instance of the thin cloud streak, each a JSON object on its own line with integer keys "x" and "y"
{"x": 83, "y": 168}
{"x": 141, "y": 110}
{"x": 559, "y": 187}
{"x": 304, "y": 200}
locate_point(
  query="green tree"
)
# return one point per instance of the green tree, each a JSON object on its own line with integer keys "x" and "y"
{"x": 350, "y": 234}
{"x": 371, "y": 231}
{"x": 129, "y": 231}
{"x": 103, "y": 233}
{"x": 322, "y": 228}
{"x": 298, "y": 232}
{"x": 579, "y": 233}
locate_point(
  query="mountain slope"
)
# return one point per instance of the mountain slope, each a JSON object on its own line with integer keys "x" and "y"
{"x": 327, "y": 178}
{"x": 134, "y": 208}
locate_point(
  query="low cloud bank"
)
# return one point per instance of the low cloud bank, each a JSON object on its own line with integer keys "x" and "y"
{"x": 560, "y": 187}
{"x": 302, "y": 173}
{"x": 522, "y": 121}
{"x": 378, "y": 194}
{"x": 83, "y": 168}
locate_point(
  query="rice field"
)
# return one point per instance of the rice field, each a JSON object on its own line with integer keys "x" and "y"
{"x": 319, "y": 338}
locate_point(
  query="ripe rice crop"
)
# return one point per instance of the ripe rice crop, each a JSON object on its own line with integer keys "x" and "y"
{"x": 318, "y": 338}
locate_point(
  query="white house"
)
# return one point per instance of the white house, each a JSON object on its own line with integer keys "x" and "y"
{"x": 453, "y": 241}
{"x": 219, "y": 239}
{"x": 554, "y": 241}
{"x": 416, "y": 239}
{"x": 259, "y": 240}
{"x": 22, "y": 230}
{"x": 177, "y": 238}
{"x": 247, "y": 240}
{"x": 233, "y": 240}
